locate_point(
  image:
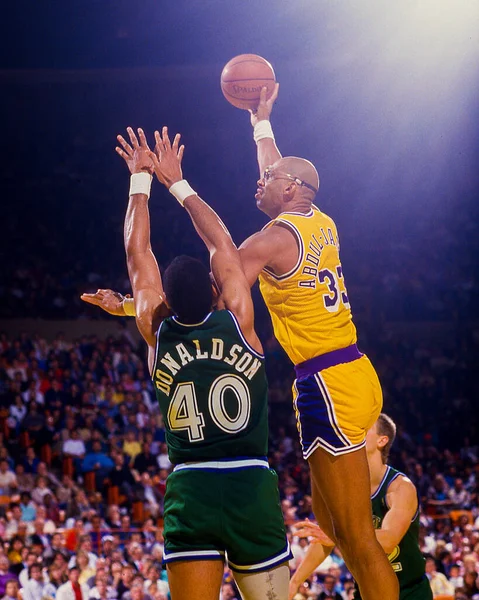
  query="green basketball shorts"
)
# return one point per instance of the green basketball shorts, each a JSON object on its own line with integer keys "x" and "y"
{"x": 225, "y": 510}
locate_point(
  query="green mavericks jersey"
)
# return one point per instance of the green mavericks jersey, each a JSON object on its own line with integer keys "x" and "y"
{"x": 406, "y": 559}
{"x": 212, "y": 390}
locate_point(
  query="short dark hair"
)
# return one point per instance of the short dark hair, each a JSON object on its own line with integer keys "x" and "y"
{"x": 386, "y": 426}
{"x": 188, "y": 291}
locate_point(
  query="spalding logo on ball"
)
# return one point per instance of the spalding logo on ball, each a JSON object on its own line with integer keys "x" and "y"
{"x": 243, "y": 77}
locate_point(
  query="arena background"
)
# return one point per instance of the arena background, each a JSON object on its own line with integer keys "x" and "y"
{"x": 382, "y": 97}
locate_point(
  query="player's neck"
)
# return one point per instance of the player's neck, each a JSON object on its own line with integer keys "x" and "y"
{"x": 298, "y": 206}
{"x": 377, "y": 470}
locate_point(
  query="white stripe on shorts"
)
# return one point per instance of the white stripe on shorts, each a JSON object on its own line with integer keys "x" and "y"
{"x": 224, "y": 464}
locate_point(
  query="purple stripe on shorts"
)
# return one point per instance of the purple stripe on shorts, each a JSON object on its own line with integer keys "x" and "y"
{"x": 324, "y": 361}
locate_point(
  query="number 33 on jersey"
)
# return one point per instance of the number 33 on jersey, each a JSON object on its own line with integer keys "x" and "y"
{"x": 309, "y": 306}
{"x": 212, "y": 390}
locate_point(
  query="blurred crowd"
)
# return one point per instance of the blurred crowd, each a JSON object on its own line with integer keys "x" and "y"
{"x": 83, "y": 468}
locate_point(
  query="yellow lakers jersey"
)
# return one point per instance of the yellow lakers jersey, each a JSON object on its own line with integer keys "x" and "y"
{"x": 309, "y": 306}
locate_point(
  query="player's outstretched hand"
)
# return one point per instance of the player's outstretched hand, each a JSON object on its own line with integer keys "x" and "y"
{"x": 167, "y": 158}
{"x": 263, "y": 112}
{"x": 137, "y": 155}
{"x": 110, "y": 301}
{"x": 309, "y": 529}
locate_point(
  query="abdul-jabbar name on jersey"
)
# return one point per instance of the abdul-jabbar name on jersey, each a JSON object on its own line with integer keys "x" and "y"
{"x": 309, "y": 306}
{"x": 406, "y": 559}
{"x": 212, "y": 390}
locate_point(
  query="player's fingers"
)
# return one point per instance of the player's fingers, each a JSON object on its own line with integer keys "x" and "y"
{"x": 133, "y": 138}
{"x": 122, "y": 153}
{"x": 181, "y": 151}
{"x": 126, "y": 146}
{"x": 166, "y": 138}
{"x": 90, "y": 299}
{"x": 274, "y": 95}
{"x": 176, "y": 143}
{"x": 154, "y": 158}
{"x": 262, "y": 95}
{"x": 159, "y": 142}
{"x": 142, "y": 136}
{"x": 305, "y": 523}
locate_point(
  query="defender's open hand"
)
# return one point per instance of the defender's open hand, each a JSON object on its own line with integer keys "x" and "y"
{"x": 167, "y": 158}
{"x": 137, "y": 155}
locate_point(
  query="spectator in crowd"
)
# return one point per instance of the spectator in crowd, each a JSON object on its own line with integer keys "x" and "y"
{"x": 439, "y": 583}
{"x": 145, "y": 461}
{"x": 72, "y": 589}
{"x": 8, "y": 479}
{"x": 99, "y": 462}
{"x": 31, "y": 461}
{"x": 124, "y": 585}
{"x": 74, "y": 446}
{"x": 459, "y": 496}
{"x": 148, "y": 494}
{"x": 102, "y": 591}
{"x": 56, "y": 578}
{"x": 17, "y": 412}
{"x": 83, "y": 563}
{"x": 33, "y": 589}
{"x": 131, "y": 445}
{"x": 27, "y": 562}
{"x": 40, "y": 490}
{"x": 11, "y": 590}
{"x": 470, "y": 587}
{"x": 122, "y": 477}
{"x": 15, "y": 550}
{"x": 27, "y": 506}
{"x": 329, "y": 592}
{"x": 5, "y": 574}
{"x": 84, "y": 545}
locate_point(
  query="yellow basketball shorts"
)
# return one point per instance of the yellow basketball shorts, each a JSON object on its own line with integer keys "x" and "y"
{"x": 336, "y": 406}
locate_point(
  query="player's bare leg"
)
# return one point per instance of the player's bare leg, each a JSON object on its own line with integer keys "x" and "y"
{"x": 195, "y": 579}
{"x": 343, "y": 484}
{"x": 267, "y": 584}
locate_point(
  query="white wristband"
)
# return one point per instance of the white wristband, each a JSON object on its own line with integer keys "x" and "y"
{"x": 140, "y": 183}
{"x": 181, "y": 190}
{"x": 129, "y": 307}
{"x": 263, "y": 130}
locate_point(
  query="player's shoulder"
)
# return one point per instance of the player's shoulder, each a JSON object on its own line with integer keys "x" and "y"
{"x": 402, "y": 485}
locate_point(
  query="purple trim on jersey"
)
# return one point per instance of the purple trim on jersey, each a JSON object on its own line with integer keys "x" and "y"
{"x": 315, "y": 419}
{"x": 324, "y": 361}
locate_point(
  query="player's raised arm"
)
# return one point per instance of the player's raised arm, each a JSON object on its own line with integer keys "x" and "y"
{"x": 143, "y": 269}
{"x": 268, "y": 152}
{"x": 224, "y": 256}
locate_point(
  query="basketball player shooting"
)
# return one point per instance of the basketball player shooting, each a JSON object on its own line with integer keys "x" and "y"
{"x": 337, "y": 395}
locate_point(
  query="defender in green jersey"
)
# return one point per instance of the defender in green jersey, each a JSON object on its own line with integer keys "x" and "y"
{"x": 222, "y": 500}
{"x": 395, "y": 511}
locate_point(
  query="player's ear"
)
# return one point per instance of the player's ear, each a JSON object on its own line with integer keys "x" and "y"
{"x": 289, "y": 191}
{"x": 382, "y": 441}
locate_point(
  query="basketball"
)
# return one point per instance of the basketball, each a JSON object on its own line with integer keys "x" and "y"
{"x": 243, "y": 77}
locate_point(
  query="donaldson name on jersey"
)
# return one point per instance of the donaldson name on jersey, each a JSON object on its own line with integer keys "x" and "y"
{"x": 212, "y": 390}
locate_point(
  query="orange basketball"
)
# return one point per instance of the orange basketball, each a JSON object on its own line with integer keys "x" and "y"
{"x": 243, "y": 77}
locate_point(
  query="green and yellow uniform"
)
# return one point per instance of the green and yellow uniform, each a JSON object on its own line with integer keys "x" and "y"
{"x": 406, "y": 559}
{"x": 222, "y": 498}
